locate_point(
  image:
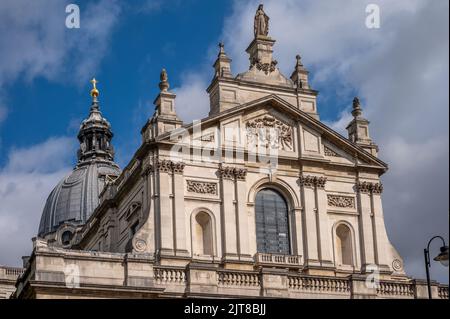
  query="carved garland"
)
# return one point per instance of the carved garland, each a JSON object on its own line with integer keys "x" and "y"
{"x": 341, "y": 201}
{"x": 265, "y": 67}
{"x": 368, "y": 187}
{"x": 271, "y": 132}
{"x": 201, "y": 187}
{"x": 311, "y": 181}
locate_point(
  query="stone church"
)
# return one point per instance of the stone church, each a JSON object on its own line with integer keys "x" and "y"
{"x": 259, "y": 199}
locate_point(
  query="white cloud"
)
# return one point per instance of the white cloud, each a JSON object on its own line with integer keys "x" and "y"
{"x": 25, "y": 182}
{"x": 36, "y": 43}
{"x": 192, "y": 101}
{"x": 401, "y": 73}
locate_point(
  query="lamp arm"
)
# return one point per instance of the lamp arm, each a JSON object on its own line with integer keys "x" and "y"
{"x": 428, "y": 246}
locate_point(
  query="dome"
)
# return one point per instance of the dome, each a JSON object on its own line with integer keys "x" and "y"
{"x": 76, "y": 196}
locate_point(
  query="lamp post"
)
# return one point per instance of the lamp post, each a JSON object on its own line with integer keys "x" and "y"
{"x": 442, "y": 258}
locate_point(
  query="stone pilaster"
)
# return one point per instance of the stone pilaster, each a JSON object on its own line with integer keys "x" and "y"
{"x": 242, "y": 216}
{"x": 166, "y": 225}
{"x": 228, "y": 214}
{"x": 310, "y": 223}
{"x": 179, "y": 212}
{"x": 324, "y": 235}
{"x": 366, "y": 234}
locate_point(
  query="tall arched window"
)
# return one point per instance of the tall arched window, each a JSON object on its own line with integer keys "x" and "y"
{"x": 344, "y": 245}
{"x": 203, "y": 235}
{"x": 272, "y": 224}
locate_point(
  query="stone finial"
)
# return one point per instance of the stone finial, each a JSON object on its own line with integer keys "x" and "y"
{"x": 221, "y": 49}
{"x": 357, "y": 111}
{"x": 222, "y": 65}
{"x": 164, "y": 81}
{"x": 261, "y": 24}
{"x": 300, "y": 74}
{"x": 299, "y": 64}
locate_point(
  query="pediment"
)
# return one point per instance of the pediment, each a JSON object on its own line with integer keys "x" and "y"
{"x": 319, "y": 140}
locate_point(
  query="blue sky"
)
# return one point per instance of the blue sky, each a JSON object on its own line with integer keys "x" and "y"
{"x": 400, "y": 72}
{"x": 144, "y": 40}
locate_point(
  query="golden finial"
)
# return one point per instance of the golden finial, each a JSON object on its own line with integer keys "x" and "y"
{"x": 94, "y": 91}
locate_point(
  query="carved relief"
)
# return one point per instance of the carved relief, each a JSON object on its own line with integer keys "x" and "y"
{"x": 167, "y": 166}
{"x": 270, "y": 132}
{"x": 227, "y": 172}
{"x": 330, "y": 152}
{"x": 341, "y": 201}
{"x": 313, "y": 181}
{"x": 201, "y": 187}
{"x": 265, "y": 67}
{"x": 368, "y": 187}
{"x": 397, "y": 265}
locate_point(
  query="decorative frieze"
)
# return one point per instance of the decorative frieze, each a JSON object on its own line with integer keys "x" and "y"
{"x": 227, "y": 172}
{"x": 368, "y": 187}
{"x": 269, "y": 132}
{"x": 341, "y": 201}
{"x": 166, "y": 166}
{"x": 313, "y": 181}
{"x": 201, "y": 187}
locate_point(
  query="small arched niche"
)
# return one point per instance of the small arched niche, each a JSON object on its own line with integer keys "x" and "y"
{"x": 344, "y": 247}
{"x": 203, "y": 239}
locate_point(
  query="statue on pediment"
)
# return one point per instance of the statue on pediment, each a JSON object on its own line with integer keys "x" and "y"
{"x": 261, "y": 22}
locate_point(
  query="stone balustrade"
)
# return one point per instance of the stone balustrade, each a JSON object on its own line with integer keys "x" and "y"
{"x": 319, "y": 285}
{"x": 169, "y": 275}
{"x": 278, "y": 259}
{"x": 394, "y": 289}
{"x": 233, "y": 278}
{"x": 443, "y": 292}
{"x": 11, "y": 272}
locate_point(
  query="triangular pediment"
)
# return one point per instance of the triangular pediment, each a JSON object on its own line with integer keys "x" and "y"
{"x": 319, "y": 140}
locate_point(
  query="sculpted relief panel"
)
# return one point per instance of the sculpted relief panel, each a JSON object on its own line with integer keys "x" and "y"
{"x": 341, "y": 201}
{"x": 201, "y": 187}
{"x": 270, "y": 133}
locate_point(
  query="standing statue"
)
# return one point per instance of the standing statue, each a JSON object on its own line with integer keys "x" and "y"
{"x": 261, "y": 22}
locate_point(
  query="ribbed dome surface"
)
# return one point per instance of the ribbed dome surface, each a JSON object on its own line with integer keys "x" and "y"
{"x": 76, "y": 196}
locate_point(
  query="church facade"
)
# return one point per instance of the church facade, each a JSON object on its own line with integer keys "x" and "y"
{"x": 259, "y": 199}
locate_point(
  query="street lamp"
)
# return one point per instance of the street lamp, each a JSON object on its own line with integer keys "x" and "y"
{"x": 442, "y": 258}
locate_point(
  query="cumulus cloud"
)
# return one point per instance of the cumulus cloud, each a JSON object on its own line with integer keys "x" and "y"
{"x": 25, "y": 182}
{"x": 400, "y": 72}
{"x": 192, "y": 101}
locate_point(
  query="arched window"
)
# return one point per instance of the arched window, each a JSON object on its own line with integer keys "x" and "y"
{"x": 272, "y": 224}
{"x": 203, "y": 235}
{"x": 344, "y": 245}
